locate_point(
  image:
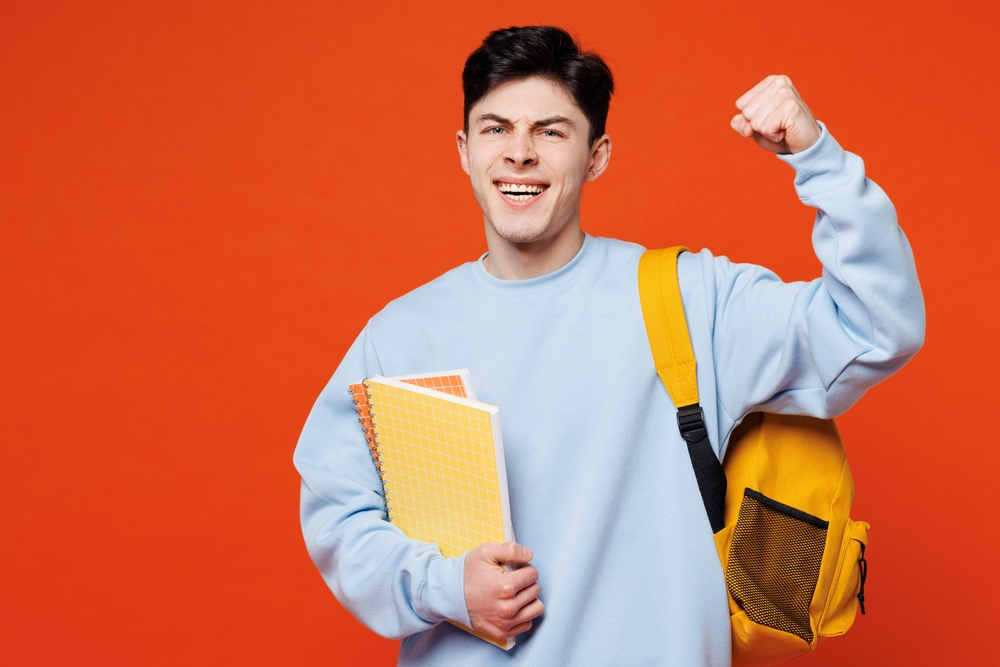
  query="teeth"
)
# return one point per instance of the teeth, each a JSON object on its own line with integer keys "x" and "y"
{"x": 514, "y": 190}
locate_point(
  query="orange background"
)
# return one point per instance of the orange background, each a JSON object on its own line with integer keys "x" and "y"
{"x": 190, "y": 191}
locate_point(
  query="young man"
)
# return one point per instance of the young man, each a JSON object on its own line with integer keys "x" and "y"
{"x": 616, "y": 542}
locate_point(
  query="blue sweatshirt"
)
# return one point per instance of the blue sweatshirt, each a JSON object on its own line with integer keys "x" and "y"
{"x": 601, "y": 486}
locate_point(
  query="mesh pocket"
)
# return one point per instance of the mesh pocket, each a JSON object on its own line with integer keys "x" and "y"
{"x": 774, "y": 563}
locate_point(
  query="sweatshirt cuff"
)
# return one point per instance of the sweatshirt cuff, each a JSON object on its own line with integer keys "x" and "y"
{"x": 822, "y": 166}
{"x": 442, "y": 597}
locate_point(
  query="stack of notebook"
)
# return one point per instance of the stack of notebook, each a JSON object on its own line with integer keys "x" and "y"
{"x": 439, "y": 454}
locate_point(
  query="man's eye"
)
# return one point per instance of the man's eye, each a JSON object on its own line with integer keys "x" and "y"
{"x": 550, "y": 133}
{"x": 495, "y": 130}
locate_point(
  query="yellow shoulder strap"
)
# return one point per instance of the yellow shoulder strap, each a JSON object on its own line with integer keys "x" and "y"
{"x": 666, "y": 325}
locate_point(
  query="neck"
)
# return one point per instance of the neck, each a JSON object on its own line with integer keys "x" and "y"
{"x": 508, "y": 260}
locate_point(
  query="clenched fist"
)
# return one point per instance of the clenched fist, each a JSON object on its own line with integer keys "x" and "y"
{"x": 774, "y": 115}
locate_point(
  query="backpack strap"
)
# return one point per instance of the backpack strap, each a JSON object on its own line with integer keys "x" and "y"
{"x": 670, "y": 342}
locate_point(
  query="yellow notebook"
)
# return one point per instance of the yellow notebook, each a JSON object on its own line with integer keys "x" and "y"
{"x": 440, "y": 458}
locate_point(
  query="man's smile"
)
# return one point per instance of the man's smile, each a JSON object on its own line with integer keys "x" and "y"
{"x": 520, "y": 192}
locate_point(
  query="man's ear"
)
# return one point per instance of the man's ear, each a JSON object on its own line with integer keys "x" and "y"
{"x": 600, "y": 155}
{"x": 463, "y": 150}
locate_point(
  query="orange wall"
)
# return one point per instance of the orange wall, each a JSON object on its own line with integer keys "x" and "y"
{"x": 190, "y": 191}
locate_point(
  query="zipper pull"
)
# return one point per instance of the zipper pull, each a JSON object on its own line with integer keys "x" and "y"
{"x": 863, "y": 564}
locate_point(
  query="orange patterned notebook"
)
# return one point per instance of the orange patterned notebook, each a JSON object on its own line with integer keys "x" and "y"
{"x": 439, "y": 454}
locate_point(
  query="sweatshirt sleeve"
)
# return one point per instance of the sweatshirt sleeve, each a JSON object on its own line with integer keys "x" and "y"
{"x": 394, "y": 585}
{"x": 816, "y": 347}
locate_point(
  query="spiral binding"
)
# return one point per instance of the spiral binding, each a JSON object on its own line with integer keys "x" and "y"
{"x": 368, "y": 426}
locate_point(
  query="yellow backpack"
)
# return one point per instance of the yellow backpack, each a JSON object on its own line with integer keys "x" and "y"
{"x": 779, "y": 503}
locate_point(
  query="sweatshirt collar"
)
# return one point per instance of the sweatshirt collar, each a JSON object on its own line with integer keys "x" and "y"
{"x": 561, "y": 275}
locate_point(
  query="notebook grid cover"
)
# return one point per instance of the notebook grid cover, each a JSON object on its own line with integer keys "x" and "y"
{"x": 440, "y": 468}
{"x": 446, "y": 496}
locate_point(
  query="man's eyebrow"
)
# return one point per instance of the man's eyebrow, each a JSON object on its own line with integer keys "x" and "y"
{"x": 495, "y": 118}
{"x": 545, "y": 122}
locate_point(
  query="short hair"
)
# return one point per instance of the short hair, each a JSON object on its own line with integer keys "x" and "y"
{"x": 543, "y": 51}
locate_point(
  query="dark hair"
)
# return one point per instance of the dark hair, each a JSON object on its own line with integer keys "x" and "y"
{"x": 543, "y": 51}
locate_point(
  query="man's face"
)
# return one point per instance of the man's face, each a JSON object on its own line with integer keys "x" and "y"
{"x": 527, "y": 155}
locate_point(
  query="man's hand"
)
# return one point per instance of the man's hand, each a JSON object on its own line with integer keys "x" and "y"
{"x": 501, "y": 603}
{"x": 776, "y": 117}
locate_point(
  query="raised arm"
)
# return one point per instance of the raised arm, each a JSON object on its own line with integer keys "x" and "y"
{"x": 811, "y": 348}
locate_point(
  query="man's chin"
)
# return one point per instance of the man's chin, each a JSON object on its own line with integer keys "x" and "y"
{"x": 540, "y": 228}
{"x": 521, "y": 231}
{"x": 521, "y": 236}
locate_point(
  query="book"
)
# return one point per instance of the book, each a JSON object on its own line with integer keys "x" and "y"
{"x": 457, "y": 383}
{"x": 439, "y": 455}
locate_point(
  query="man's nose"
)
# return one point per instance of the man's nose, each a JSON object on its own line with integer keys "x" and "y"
{"x": 521, "y": 150}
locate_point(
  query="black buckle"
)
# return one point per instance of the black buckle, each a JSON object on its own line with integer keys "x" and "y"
{"x": 691, "y": 422}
